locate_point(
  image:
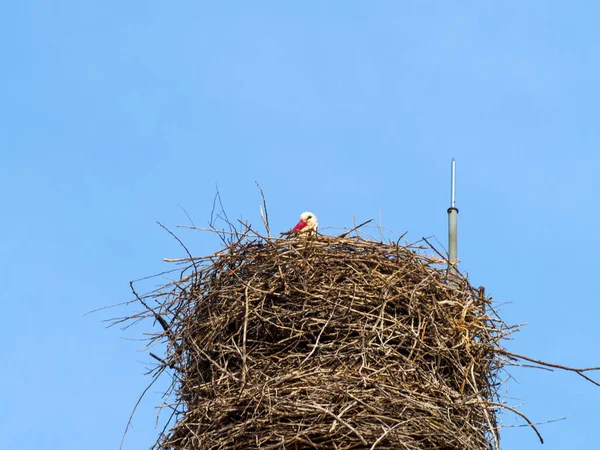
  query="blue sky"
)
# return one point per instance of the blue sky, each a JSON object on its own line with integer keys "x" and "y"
{"x": 116, "y": 115}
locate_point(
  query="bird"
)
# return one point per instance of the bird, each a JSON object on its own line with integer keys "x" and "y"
{"x": 308, "y": 224}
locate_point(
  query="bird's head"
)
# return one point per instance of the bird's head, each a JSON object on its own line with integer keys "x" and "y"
{"x": 308, "y": 222}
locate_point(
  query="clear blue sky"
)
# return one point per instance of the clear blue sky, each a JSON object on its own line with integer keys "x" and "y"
{"x": 115, "y": 113}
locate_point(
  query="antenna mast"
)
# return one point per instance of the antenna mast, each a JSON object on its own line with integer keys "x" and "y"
{"x": 452, "y": 226}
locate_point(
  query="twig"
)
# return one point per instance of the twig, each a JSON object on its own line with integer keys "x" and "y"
{"x": 162, "y": 361}
{"x": 319, "y": 337}
{"x": 245, "y": 334}
{"x": 188, "y": 216}
{"x": 180, "y": 243}
{"x": 264, "y": 213}
{"x": 134, "y": 409}
{"x": 342, "y": 421}
{"x": 343, "y": 235}
{"x": 523, "y": 416}
{"x": 578, "y": 371}
{"x": 157, "y": 316}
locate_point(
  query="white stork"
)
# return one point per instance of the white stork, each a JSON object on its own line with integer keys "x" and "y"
{"x": 308, "y": 224}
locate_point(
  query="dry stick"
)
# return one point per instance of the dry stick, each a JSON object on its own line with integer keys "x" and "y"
{"x": 181, "y": 243}
{"x": 249, "y": 230}
{"x": 343, "y": 235}
{"x": 545, "y": 422}
{"x": 218, "y": 198}
{"x": 188, "y": 216}
{"x": 517, "y": 412}
{"x": 157, "y": 316}
{"x": 434, "y": 249}
{"x": 400, "y": 238}
{"x": 244, "y": 353}
{"x": 167, "y": 423}
{"x": 385, "y": 433}
{"x": 380, "y": 226}
{"x": 155, "y": 275}
{"x": 319, "y": 336}
{"x": 162, "y": 361}
{"x": 342, "y": 421}
{"x": 556, "y": 366}
{"x": 266, "y": 213}
{"x": 232, "y": 229}
{"x": 210, "y": 230}
{"x": 135, "y": 408}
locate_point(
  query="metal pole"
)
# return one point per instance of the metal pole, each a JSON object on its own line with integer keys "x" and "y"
{"x": 452, "y": 225}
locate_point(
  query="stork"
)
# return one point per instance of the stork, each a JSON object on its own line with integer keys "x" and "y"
{"x": 308, "y": 224}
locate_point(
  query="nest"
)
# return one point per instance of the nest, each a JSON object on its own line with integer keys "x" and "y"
{"x": 327, "y": 343}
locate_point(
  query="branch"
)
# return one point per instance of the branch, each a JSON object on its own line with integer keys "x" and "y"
{"x": 343, "y": 235}
{"x": 518, "y": 413}
{"x": 555, "y": 366}
{"x": 160, "y": 319}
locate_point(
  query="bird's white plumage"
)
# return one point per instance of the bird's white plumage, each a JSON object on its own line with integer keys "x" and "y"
{"x": 311, "y": 222}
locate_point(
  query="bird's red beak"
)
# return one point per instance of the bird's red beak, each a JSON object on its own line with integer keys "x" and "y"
{"x": 299, "y": 226}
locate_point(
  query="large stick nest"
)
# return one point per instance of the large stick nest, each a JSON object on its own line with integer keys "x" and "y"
{"x": 327, "y": 343}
